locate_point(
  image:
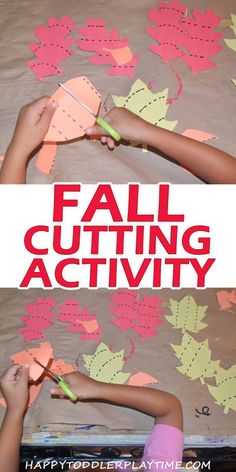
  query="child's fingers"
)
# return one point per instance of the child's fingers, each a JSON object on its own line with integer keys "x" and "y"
{"x": 24, "y": 375}
{"x": 110, "y": 143}
{"x": 48, "y": 113}
{"x": 58, "y": 392}
{"x": 95, "y": 130}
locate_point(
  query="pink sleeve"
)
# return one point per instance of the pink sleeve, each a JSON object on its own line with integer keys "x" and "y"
{"x": 164, "y": 445}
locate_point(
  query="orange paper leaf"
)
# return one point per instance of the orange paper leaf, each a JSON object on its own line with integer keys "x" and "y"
{"x": 223, "y": 298}
{"x": 120, "y": 55}
{"x": 141, "y": 378}
{"x": 198, "y": 135}
{"x": 59, "y": 367}
{"x": 42, "y": 354}
{"x": 46, "y": 157}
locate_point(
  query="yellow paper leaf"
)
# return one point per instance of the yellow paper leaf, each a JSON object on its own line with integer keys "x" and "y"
{"x": 105, "y": 365}
{"x": 186, "y": 314}
{"x": 225, "y": 391}
{"x": 195, "y": 358}
{"x": 231, "y": 43}
{"x": 234, "y": 82}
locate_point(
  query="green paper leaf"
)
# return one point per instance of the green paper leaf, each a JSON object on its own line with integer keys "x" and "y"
{"x": 186, "y": 314}
{"x": 225, "y": 391}
{"x": 105, "y": 365}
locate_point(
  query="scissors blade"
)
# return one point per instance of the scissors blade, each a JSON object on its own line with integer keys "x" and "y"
{"x": 77, "y": 99}
{"x": 47, "y": 369}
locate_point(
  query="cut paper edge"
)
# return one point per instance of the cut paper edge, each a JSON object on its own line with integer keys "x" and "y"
{"x": 141, "y": 378}
{"x": 43, "y": 354}
{"x": 198, "y": 135}
{"x": 46, "y": 157}
{"x": 120, "y": 55}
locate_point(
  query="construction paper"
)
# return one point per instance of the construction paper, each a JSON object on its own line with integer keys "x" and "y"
{"x": 39, "y": 318}
{"x": 105, "y": 365}
{"x": 140, "y": 315}
{"x": 186, "y": 314}
{"x": 59, "y": 367}
{"x": 180, "y": 88}
{"x": 201, "y": 42}
{"x": 53, "y": 47}
{"x": 168, "y": 31}
{"x": 34, "y": 390}
{"x": 108, "y": 47}
{"x": 80, "y": 320}
{"x": 226, "y": 299}
{"x": 198, "y": 135}
{"x": 234, "y": 82}
{"x": 42, "y": 354}
{"x": 46, "y": 157}
{"x": 120, "y": 55}
{"x": 224, "y": 392}
{"x": 141, "y": 378}
{"x": 150, "y": 106}
{"x": 231, "y": 43}
{"x": 70, "y": 118}
{"x": 195, "y": 358}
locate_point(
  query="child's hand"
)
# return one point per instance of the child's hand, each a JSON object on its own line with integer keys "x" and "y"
{"x": 130, "y": 126}
{"x": 83, "y": 386}
{"x": 32, "y": 124}
{"x": 15, "y": 389}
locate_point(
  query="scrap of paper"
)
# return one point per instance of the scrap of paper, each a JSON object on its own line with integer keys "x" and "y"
{"x": 234, "y": 82}
{"x": 224, "y": 391}
{"x": 59, "y": 367}
{"x": 80, "y": 320}
{"x": 226, "y": 299}
{"x": 190, "y": 39}
{"x": 141, "y": 378}
{"x": 109, "y": 48}
{"x": 53, "y": 48}
{"x": 39, "y": 318}
{"x": 142, "y": 315}
{"x": 231, "y": 43}
{"x": 46, "y": 157}
{"x": 105, "y": 365}
{"x": 195, "y": 358}
{"x": 198, "y": 135}
{"x": 34, "y": 390}
{"x": 43, "y": 354}
{"x": 186, "y": 314}
{"x": 150, "y": 106}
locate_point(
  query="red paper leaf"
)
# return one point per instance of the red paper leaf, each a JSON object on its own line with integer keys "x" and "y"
{"x": 39, "y": 318}
{"x": 78, "y": 319}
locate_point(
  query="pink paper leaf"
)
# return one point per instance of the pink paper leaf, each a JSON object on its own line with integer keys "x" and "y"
{"x": 140, "y": 315}
{"x": 39, "y": 318}
{"x": 80, "y": 320}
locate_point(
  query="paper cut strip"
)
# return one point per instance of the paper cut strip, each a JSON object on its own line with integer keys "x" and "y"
{"x": 198, "y": 135}
{"x": 195, "y": 358}
{"x": 231, "y": 43}
{"x": 34, "y": 390}
{"x": 186, "y": 314}
{"x": 80, "y": 320}
{"x": 54, "y": 46}
{"x": 224, "y": 392}
{"x": 39, "y": 318}
{"x": 70, "y": 118}
{"x": 141, "y": 378}
{"x": 140, "y": 315}
{"x": 226, "y": 299}
{"x": 46, "y": 157}
{"x": 106, "y": 365}
{"x": 109, "y": 48}
{"x": 43, "y": 354}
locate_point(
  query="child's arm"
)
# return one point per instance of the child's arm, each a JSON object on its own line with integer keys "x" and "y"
{"x": 207, "y": 162}
{"x": 14, "y": 387}
{"x": 32, "y": 124}
{"x": 163, "y": 406}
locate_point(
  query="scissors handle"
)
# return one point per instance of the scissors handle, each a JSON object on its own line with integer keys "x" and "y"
{"x": 65, "y": 387}
{"x": 108, "y": 128}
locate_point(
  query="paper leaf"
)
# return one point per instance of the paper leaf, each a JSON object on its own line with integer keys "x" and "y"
{"x": 70, "y": 118}
{"x": 231, "y": 43}
{"x": 150, "y": 106}
{"x": 59, "y": 367}
{"x": 46, "y": 157}
{"x": 53, "y": 47}
{"x": 105, "y": 365}
{"x": 39, "y": 318}
{"x": 195, "y": 358}
{"x": 226, "y": 299}
{"x": 224, "y": 392}
{"x": 34, "y": 390}
{"x": 80, "y": 320}
{"x": 186, "y": 314}
{"x": 141, "y": 378}
{"x": 109, "y": 47}
{"x": 198, "y": 135}
{"x": 201, "y": 42}
{"x": 168, "y": 31}
{"x": 42, "y": 354}
{"x": 140, "y": 315}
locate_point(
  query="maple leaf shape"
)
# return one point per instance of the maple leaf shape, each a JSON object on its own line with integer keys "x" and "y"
{"x": 39, "y": 318}
{"x": 195, "y": 358}
{"x": 186, "y": 314}
{"x": 80, "y": 320}
{"x": 150, "y": 106}
{"x": 224, "y": 392}
{"x": 140, "y": 315}
{"x": 105, "y": 365}
{"x": 95, "y": 38}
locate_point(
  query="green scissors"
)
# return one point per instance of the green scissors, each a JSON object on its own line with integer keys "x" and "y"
{"x": 60, "y": 381}
{"x": 100, "y": 121}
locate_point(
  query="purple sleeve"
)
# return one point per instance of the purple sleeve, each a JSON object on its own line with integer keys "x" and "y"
{"x": 164, "y": 445}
